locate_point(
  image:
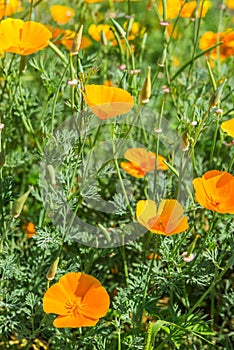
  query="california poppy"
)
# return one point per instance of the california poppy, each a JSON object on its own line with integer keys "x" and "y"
{"x": 95, "y": 31}
{"x": 23, "y": 38}
{"x": 61, "y": 14}
{"x": 107, "y": 101}
{"x": 174, "y": 8}
{"x": 189, "y": 9}
{"x": 141, "y": 162}
{"x": 79, "y": 300}
{"x": 9, "y": 7}
{"x": 215, "y": 191}
{"x": 66, "y": 38}
{"x": 167, "y": 219}
{"x": 29, "y": 229}
{"x": 226, "y": 49}
{"x": 228, "y": 127}
{"x": 230, "y": 4}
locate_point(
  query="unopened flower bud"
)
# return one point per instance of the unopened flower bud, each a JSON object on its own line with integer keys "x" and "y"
{"x": 146, "y": 88}
{"x": 184, "y": 142}
{"x": 52, "y": 270}
{"x": 162, "y": 59}
{"x": 77, "y": 42}
{"x": 215, "y": 99}
{"x": 19, "y": 203}
{"x": 1, "y": 126}
{"x": 118, "y": 27}
{"x": 52, "y": 174}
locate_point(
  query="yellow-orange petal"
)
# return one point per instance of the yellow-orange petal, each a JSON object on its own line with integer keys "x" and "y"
{"x": 170, "y": 218}
{"x": 189, "y": 8}
{"x": 61, "y": 14}
{"x": 74, "y": 322}
{"x": 145, "y": 210}
{"x": 230, "y": 4}
{"x": 132, "y": 169}
{"x": 96, "y": 301}
{"x": 95, "y": 31}
{"x": 9, "y": 7}
{"x": 228, "y": 127}
{"x": 107, "y": 101}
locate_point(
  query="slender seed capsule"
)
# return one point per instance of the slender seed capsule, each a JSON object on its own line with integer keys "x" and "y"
{"x": 19, "y": 203}
{"x": 77, "y": 42}
{"x": 146, "y": 88}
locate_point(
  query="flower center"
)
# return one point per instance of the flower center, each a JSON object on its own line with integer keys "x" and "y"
{"x": 74, "y": 307}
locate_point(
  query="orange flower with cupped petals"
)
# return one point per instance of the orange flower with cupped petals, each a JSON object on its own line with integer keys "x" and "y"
{"x": 167, "y": 219}
{"x": 61, "y": 14}
{"x": 228, "y": 127}
{"x": 226, "y": 49}
{"x": 23, "y": 38}
{"x": 141, "y": 162}
{"x": 215, "y": 191}
{"x": 107, "y": 101}
{"x": 79, "y": 300}
{"x": 29, "y": 229}
{"x": 9, "y": 7}
{"x": 189, "y": 9}
{"x": 230, "y": 4}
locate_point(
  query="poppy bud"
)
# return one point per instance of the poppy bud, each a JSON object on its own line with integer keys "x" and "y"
{"x": 118, "y": 27}
{"x": 162, "y": 59}
{"x": 146, "y": 88}
{"x": 184, "y": 142}
{"x": 215, "y": 99}
{"x": 77, "y": 42}
{"x": 19, "y": 203}
{"x": 52, "y": 270}
{"x": 52, "y": 174}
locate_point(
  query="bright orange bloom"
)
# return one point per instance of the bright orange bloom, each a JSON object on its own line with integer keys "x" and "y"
{"x": 95, "y": 31}
{"x": 23, "y": 38}
{"x": 228, "y": 127}
{"x": 30, "y": 229}
{"x": 230, "y": 4}
{"x": 226, "y": 49}
{"x": 188, "y": 10}
{"x": 79, "y": 300}
{"x": 190, "y": 7}
{"x": 61, "y": 14}
{"x": 9, "y": 7}
{"x": 66, "y": 38}
{"x": 167, "y": 219}
{"x": 215, "y": 191}
{"x": 93, "y": 1}
{"x": 107, "y": 101}
{"x": 141, "y": 162}
{"x": 173, "y": 8}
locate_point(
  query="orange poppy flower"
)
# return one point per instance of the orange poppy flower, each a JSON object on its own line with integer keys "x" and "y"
{"x": 66, "y": 38}
{"x": 61, "y": 14}
{"x": 226, "y": 49}
{"x": 174, "y": 7}
{"x": 141, "y": 162}
{"x": 9, "y": 7}
{"x": 23, "y": 38}
{"x": 30, "y": 229}
{"x": 230, "y": 4}
{"x": 215, "y": 191}
{"x": 167, "y": 219}
{"x": 107, "y": 101}
{"x": 79, "y": 300}
{"x": 95, "y": 31}
{"x": 189, "y": 9}
{"x": 228, "y": 127}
